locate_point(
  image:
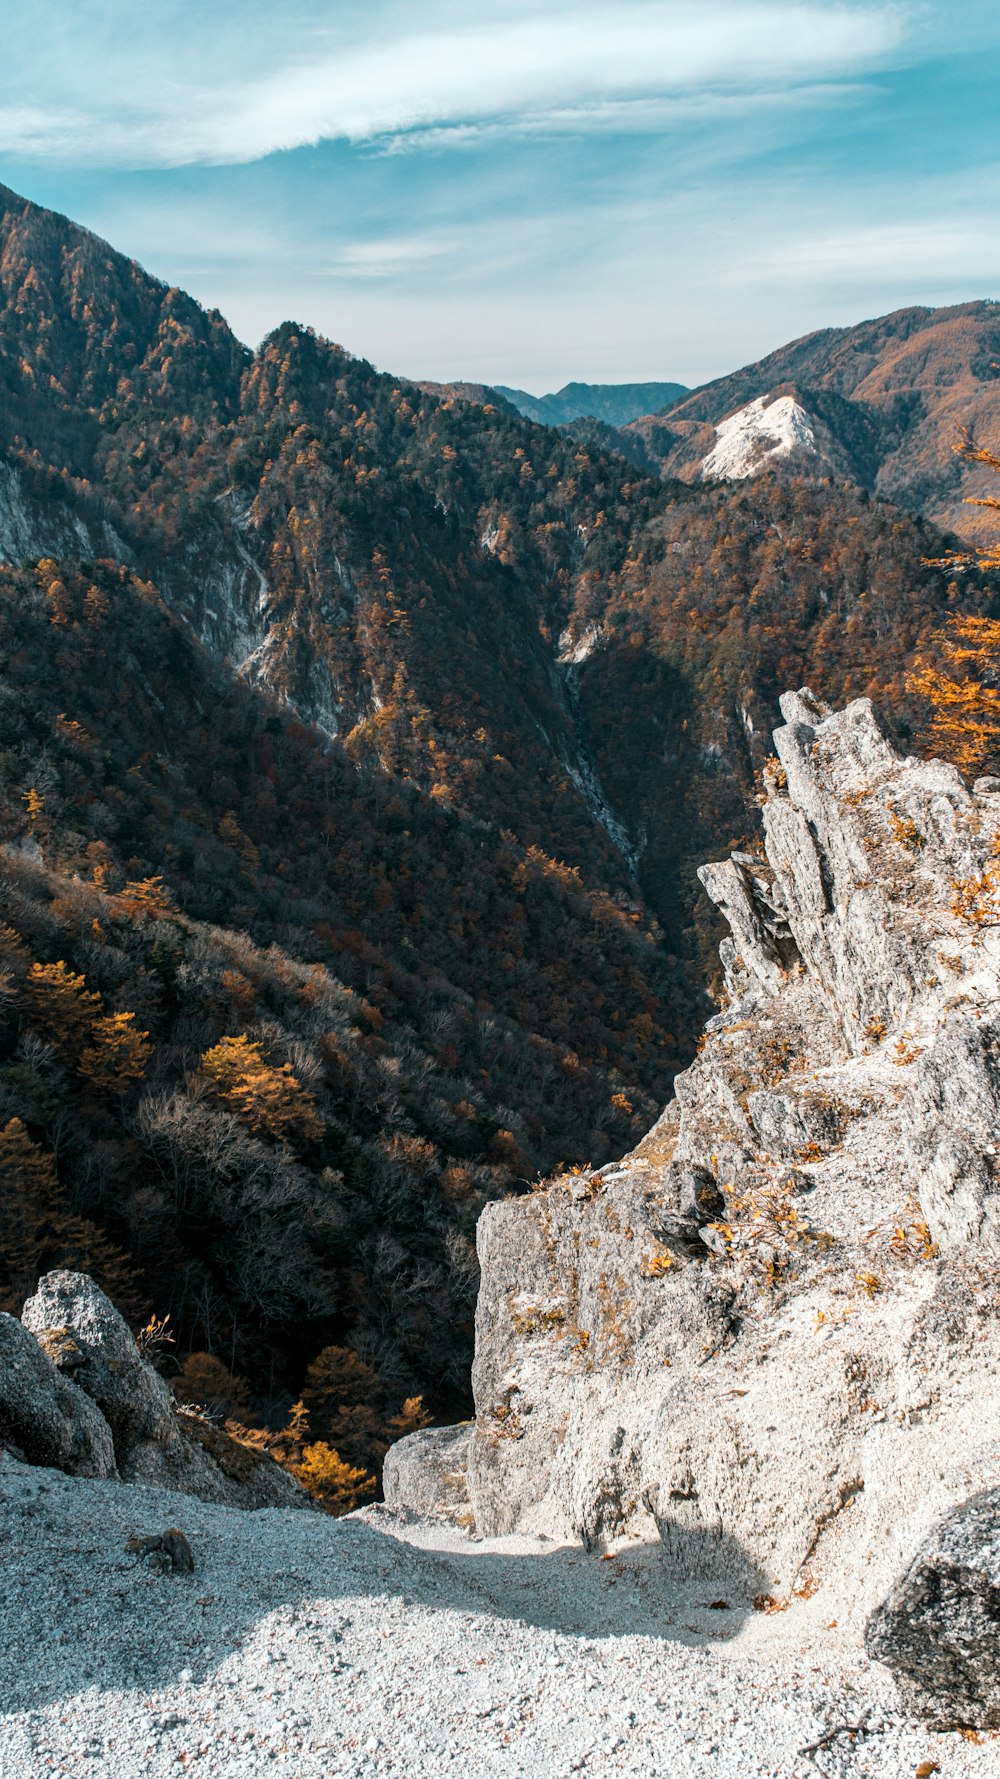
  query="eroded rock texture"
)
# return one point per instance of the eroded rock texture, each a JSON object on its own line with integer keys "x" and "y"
{"x": 939, "y": 1630}
{"x": 769, "y": 1338}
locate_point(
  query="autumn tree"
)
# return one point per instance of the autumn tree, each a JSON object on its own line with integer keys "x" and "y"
{"x": 346, "y": 1400}
{"x": 962, "y": 687}
{"x": 206, "y": 1382}
{"x": 146, "y": 899}
{"x": 38, "y": 1231}
{"x": 337, "y": 1485}
{"x": 117, "y": 1055}
{"x": 960, "y": 678}
{"x": 60, "y": 1007}
{"x": 29, "y": 1204}
{"x": 268, "y": 1099}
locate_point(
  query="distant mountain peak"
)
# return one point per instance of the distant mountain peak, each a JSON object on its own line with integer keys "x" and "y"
{"x": 885, "y": 403}
{"x": 614, "y": 403}
{"x": 764, "y": 432}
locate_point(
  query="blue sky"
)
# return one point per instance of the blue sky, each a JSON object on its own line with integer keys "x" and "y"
{"x": 523, "y": 193}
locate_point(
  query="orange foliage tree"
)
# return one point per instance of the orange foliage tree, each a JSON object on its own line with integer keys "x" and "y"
{"x": 961, "y": 682}
{"x": 117, "y": 1055}
{"x": 267, "y": 1099}
{"x": 60, "y": 1007}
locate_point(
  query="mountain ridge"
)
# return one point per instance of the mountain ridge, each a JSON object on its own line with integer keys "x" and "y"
{"x": 914, "y": 380}
{"x": 429, "y": 715}
{"x": 614, "y": 403}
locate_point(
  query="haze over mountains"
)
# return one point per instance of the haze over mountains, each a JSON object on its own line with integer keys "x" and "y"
{"x": 419, "y": 717}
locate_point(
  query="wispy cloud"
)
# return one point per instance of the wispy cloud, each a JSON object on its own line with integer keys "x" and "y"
{"x": 387, "y": 257}
{"x": 577, "y": 68}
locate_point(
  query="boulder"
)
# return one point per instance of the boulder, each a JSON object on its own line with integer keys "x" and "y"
{"x": 44, "y": 1417}
{"x": 246, "y": 1476}
{"x": 84, "y": 1338}
{"x": 427, "y": 1472}
{"x": 939, "y": 1628}
{"x": 71, "y": 1315}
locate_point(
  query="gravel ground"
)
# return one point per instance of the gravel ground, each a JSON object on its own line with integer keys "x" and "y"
{"x": 369, "y": 1646}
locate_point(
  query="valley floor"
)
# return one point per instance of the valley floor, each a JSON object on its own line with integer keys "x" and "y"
{"x": 369, "y": 1646}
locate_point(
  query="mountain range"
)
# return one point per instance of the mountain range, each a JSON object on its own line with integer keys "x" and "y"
{"x": 614, "y": 403}
{"x": 359, "y": 741}
{"x": 883, "y": 404}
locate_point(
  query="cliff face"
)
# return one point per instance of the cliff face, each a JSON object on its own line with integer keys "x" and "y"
{"x": 768, "y": 1338}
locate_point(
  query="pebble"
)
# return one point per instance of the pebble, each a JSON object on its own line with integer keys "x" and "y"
{"x": 366, "y": 1649}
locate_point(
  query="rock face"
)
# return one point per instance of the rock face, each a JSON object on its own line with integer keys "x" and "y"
{"x": 769, "y": 1337}
{"x": 76, "y": 1393}
{"x": 939, "y": 1630}
{"x": 428, "y": 1472}
{"x": 44, "y": 1417}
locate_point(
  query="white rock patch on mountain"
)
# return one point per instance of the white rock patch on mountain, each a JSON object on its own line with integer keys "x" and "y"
{"x": 763, "y": 432}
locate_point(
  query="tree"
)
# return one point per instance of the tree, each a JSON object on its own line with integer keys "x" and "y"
{"x": 146, "y": 899}
{"x": 29, "y": 1204}
{"x": 963, "y": 690}
{"x": 962, "y": 685}
{"x": 265, "y": 1098}
{"x": 37, "y": 1231}
{"x": 60, "y": 1007}
{"x": 117, "y": 1055}
{"x": 206, "y": 1382}
{"x": 338, "y": 1486}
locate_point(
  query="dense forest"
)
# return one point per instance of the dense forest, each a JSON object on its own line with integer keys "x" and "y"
{"x": 357, "y": 750}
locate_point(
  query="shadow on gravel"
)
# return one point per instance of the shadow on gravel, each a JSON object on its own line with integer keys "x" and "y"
{"x": 78, "y": 1612}
{"x": 635, "y": 1593}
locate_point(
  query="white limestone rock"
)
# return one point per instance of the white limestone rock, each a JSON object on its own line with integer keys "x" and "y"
{"x": 788, "y": 1394}
{"x": 939, "y": 1629}
{"x": 427, "y": 1472}
{"x": 153, "y": 1441}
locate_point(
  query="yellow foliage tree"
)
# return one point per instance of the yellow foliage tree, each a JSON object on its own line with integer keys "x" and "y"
{"x": 324, "y": 1475}
{"x": 960, "y": 678}
{"x": 962, "y": 688}
{"x": 338, "y": 1487}
{"x": 146, "y": 899}
{"x": 60, "y": 1007}
{"x": 267, "y": 1099}
{"x": 117, "y": 1055}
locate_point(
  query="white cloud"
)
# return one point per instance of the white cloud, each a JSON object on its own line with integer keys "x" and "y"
{"x": 387, "y": 257}
{"x": 572, "y": 64}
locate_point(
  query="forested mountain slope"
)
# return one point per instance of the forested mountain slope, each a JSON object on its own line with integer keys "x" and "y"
{"x": 883, "y": 403}
{"x": 357, "y": 748}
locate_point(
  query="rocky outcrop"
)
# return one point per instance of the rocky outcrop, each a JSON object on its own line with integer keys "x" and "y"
{"x": 768, "y": 1338}
{"x": 77, "y": 1394}
{"x": 44, "y": 1417}
{"x": 939, "y": 1630}
{"x": 86, "y": 1337}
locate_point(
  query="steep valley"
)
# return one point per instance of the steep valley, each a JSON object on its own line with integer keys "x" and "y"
{"x": 383, "y": 731}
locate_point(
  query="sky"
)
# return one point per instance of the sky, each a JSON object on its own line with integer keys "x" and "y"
{"x": 523, "y": 193}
